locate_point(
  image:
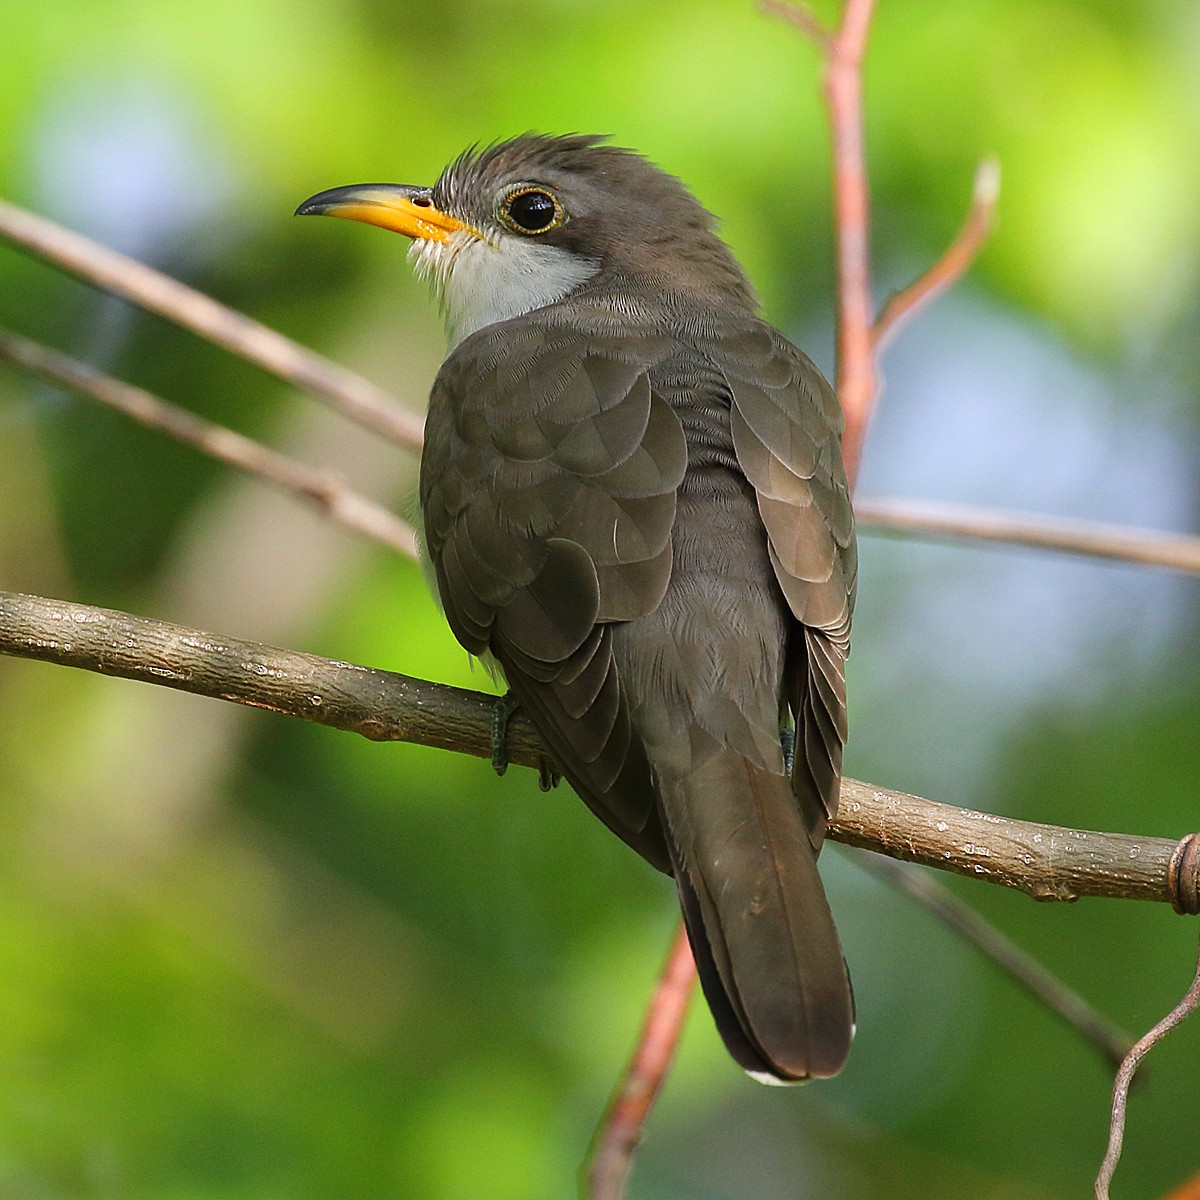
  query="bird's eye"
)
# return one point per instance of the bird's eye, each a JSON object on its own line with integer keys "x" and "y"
{"x": 531, "y": 210}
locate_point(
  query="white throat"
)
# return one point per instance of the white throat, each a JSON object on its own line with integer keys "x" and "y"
{"x": 479, "y": 282}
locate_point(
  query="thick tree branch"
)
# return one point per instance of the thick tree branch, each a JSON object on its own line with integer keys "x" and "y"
{"x": 343, "y": 390}
{"x": 1044, "y": 861}
{"x": 326, "y": 489}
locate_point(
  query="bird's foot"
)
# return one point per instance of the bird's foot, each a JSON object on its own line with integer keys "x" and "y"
{"x": 502, "y": 713}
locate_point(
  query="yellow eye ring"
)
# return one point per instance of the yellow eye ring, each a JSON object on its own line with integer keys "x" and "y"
{"x": 530, "y": 210}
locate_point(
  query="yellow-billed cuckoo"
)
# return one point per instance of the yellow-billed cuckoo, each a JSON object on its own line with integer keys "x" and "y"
{"x": 634, "y": 501}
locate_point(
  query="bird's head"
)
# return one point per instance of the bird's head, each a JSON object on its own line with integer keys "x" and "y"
{"x": 526, "y": 222}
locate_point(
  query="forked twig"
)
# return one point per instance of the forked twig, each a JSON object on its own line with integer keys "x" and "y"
{"x": 860, "y": 334}
{"x": 857, "y": 337}
{"x": 953, "y": 264}
{"x": 324, "y": 488}
{"x": 1116, "y": 1133}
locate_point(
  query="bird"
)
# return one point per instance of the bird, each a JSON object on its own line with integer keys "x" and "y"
{"x": 634, "y": 504}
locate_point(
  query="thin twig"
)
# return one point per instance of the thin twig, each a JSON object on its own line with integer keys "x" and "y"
{"x": 1116, "y": 1133}
{"x": 616, "y": 1140}
{"x": 348, "y": 393}
{"x": 955, "y": 261}
{"x": 323, "y": 488}
{"x": 1107, "y": 1038}
{"x": 801, "y": 17}
{"x": 1044, "y": 861}
{"x": 1176, "y": 551}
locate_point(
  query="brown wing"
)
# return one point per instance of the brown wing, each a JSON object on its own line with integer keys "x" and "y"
{"x": 548, "y": 494}
{"x": 786, "y": 427}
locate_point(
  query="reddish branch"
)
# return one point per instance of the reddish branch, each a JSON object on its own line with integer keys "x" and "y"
{"x": 803, "y": 18}
{"x": 954, "y": 262}
{"x": 855, "y": 318}
{"x": 620, "y": 1130}
{"x": 858, "y": 337}
{"x": 1187, "y": 1191}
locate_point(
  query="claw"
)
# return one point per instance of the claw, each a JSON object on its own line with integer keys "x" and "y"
{"x": 787, "y": 739}
{"x": 502, "y": 713}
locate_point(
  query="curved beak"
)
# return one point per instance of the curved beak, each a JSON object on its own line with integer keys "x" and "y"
{"x": 396, "y": 206}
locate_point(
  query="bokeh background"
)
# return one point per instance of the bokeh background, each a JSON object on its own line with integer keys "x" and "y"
{"x": 246, "y": 959}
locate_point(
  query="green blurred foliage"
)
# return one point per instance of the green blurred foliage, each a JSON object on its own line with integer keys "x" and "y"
{"x": 243, "y": 959}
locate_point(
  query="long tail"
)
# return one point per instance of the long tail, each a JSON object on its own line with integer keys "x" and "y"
{"x": 760, "y": 927}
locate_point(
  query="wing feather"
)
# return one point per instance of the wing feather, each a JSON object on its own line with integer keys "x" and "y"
{"x": 786, "y": 429}
{"x": 548, "y": 488}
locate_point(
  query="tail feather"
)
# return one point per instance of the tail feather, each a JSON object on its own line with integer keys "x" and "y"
{"x": 760, "y": 927}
